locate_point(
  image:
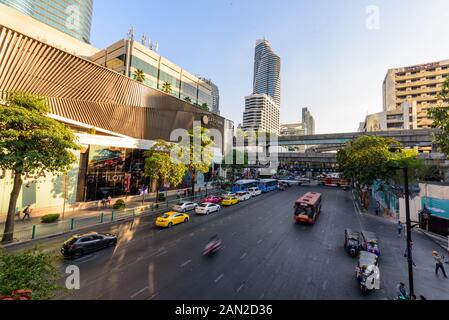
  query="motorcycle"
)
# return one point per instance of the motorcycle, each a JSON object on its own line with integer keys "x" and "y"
{"x": 212, "y": 247}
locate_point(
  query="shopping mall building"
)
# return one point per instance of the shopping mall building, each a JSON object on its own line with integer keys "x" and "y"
{"x": 115, "y": 117}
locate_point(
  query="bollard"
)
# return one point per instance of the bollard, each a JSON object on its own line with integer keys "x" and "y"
{"x": 134, "y": 212}
{"x": 72, "y": 224}
{"x": 102, "y": 217}
{"x": 33, "y": 232}
{"x": 112, "y": 216}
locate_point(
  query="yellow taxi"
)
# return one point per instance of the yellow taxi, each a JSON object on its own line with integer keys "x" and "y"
{"x": 229, "y": 201}
{"x": 169, "y": 219}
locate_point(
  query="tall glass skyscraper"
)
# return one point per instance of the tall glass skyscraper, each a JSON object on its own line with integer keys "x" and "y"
{"x": 73, "y": 17}
{"x": 267, "y": 71}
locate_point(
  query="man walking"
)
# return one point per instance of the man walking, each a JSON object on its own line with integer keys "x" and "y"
{"x": 438, "y": 263}
{"x": 399, "y": 228}
{"x": 27, "y": 213}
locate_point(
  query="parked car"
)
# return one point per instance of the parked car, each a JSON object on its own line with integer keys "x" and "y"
{"x": 243, "y": 195}
{"x": 213, "y": 199}
{"x": 229, "y": 201}
{"x": 79, "y": 245}
{"x": 169, "y": 219}
{"x": 185, "y": 206}
{"x": 255, "y": 192}
{"x": 206, "y": 208}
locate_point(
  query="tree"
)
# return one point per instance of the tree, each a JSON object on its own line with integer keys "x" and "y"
{"x": 166, "y": 87}
{"x": 440, "y": 118}
{"x": 370, "y": 158}
{"x": 204, "y": 106}
{"x": 139, "y": 75}
{"x": 199, "y": 157}
{"x": 29, "y": 270}
{"x": 159, "y": 166}
{"x": 31, "y": 142}
{"x": 187, "y": 99}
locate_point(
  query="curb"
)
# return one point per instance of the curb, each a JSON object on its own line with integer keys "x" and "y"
{"x": 434, "y": 238}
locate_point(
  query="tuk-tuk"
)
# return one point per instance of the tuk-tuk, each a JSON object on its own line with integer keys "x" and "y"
{"x": 367, "y": 272}
{"x": 352, "y": 242}
{"x": 370, "y": 242}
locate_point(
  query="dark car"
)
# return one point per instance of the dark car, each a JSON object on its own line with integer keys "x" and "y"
{"x": 79, "y": 245}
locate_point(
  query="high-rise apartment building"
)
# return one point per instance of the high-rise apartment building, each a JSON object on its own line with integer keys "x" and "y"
{"x": 128, "y": 55}
{"x": 261, "y": 114}
{"x": 308, "y": 121}
{"x": 420, "y": 84}
{"x": 73, "y": 17}
{"x": 262, "y": 108}
{"x": 267, "y": 71}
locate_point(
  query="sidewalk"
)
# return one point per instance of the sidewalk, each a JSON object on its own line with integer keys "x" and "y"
{"x": 33, "y": 229}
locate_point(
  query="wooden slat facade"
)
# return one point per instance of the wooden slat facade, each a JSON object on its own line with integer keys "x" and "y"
{"x": 83, "y": 91}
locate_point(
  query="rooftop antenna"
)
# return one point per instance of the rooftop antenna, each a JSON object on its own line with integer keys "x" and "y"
{"x": 131, "y": 33}
{"x": 144, "y": 39}
{"x": 157, "y": 47}
{"x": 150, "y": 44}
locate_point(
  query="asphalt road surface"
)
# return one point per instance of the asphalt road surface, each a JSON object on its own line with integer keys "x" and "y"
{"x": 266, "y": 255}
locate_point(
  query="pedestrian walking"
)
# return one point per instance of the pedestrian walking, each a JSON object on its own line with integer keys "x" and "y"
{"x": 27, "y": 213}
{"x": 377, "y": 208}
{"x": 406, "y": 253}
{"x": 109, "y": 200}
{"x": 104, "y": 201}
{"x": 439, "y": 263}
{"x": 399, "y": 228}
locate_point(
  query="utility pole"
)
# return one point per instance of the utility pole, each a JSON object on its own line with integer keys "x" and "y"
{"x": 409, "y": 232}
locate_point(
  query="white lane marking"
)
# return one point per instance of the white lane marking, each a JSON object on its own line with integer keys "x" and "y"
{"x": 270, "y": 232}
{"x": 219, "y": 278}
{"x": 191, "y": 235}
{"x": 260, "y": 241}
{"x": 240, "y": 288}
{"x": 262, "y": 296}
{"x": 140, "y": 258}
{"x": 86, "y": 259}
{"x": 152, "y": 296}
{"x": 161, "y": 253}
{"x": 243, "y": 256}
{"x": 139, "y": 292}
{"x": 185, "y": 263}
{"x": 234, "y": 233}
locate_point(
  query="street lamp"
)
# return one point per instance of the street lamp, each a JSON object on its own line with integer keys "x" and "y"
{"x": 409, "y": 226}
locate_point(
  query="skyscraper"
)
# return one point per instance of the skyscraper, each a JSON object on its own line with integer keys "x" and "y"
{"x": 215, "y": 107}
{"x": 267, "y": 71}
{"x": 73, "y": 17}
{"x": 308, "y": 121}
{"x": 262, "y": 108}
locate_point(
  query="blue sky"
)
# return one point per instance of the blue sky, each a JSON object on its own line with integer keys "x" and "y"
{"x": 331, "y": 62}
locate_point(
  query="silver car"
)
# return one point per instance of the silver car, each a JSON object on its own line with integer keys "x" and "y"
{"x": 185, "y": 206}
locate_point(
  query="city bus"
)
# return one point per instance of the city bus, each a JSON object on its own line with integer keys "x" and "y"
{"x": 336, "y": 180}
{"x": 308, "y": 208}
{"x": 268, "y": 185}
{"x": 244, "y": 185}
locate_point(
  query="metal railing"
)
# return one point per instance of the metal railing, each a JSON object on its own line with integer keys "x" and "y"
{"x": 45, "y": 230}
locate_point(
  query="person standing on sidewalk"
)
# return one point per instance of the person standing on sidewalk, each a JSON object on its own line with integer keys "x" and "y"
{"x": 438, "y": 263}
{"x": 399, "y": 228}
{"x": 27, "y": 213}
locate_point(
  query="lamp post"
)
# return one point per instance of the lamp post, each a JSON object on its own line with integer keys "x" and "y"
{"x": 408, "y": 224}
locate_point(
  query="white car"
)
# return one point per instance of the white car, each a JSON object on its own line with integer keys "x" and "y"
{"x": 206, "y": 208}
{"x": 228, "y": 194}
{"x": 243, "y": 195}
{"x": 255, "y": 192}
{"x": 185, "y": 206}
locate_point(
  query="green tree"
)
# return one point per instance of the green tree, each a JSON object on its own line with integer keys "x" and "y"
{"x": 166, "y": 87}
{"x": 187, "y": 99}
{"x": 370, "y": 158}
{"x": 440, "y": 118}
{"x": 199, "y": 155}
{"x": 139, "y": 75}
{"x": 160, "y": 167}
{"x": 204, "y": 106}
{"x": 29, "y": 270}
{"x": 30, "y": 142}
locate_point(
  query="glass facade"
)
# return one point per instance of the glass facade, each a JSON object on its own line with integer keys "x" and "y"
{"x": 73, "y": 17}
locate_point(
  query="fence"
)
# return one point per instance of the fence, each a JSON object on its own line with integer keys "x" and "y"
{"x": 42, "y": 230}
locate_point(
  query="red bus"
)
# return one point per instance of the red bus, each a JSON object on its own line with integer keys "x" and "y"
{"x": 336, "y": 180}
{"x": 308, "y": 208}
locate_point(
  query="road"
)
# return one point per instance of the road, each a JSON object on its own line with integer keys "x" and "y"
{"x": 265, "y": 256}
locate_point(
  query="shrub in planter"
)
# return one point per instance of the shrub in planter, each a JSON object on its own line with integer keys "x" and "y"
{"x": 49, "y": 218}
{"x": 119, "y": 204}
